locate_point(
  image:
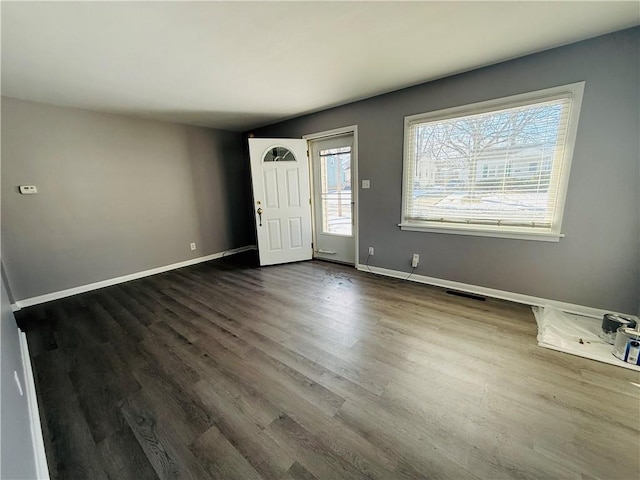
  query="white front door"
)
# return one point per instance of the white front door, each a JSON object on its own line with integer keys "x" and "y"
{"x": 334, "y": 200}
{"x": 280, "y": 176}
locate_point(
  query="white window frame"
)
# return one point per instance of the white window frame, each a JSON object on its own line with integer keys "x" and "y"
{"x": 525, "y": 233}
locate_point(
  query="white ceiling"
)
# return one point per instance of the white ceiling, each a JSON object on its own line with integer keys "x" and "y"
{"x": 238, "y": 65}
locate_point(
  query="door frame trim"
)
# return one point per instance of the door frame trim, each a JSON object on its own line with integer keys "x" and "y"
{"x": 335, "y": 132}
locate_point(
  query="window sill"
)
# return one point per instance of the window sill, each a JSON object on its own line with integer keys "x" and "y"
{"x": 517, "y": 234}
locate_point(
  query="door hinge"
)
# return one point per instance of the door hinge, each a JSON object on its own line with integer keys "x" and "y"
{"x": 309, "y": 201}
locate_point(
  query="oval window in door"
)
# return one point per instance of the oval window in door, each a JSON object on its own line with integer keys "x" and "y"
{"x": 279, "y": 154}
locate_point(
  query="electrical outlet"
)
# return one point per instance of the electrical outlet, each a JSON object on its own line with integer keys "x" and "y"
{"x": 28, "y": 189}
{"x": 415, "y": 260}
{"x": 370, "y": 250}
{"x": 193, "y": 246}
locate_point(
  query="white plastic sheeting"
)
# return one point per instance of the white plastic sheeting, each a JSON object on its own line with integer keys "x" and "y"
{"x": 576, "y": 335}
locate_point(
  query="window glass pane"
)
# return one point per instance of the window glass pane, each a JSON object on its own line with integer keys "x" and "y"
{"x": 500, "y": 167}
{"x": 335, "y": 168}
{"x": 279, "y": 154}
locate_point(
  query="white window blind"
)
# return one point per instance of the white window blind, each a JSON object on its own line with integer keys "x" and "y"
{"x": 497, "y": 166}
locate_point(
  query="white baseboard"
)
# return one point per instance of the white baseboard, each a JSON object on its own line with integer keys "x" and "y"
{"x": 40, "y": 456}
{"x": 489, "y": 292}
{"x": 27, "y": 302}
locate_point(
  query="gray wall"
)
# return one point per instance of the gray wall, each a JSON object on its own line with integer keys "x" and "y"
{"x": 116, "y": 195}
{"x": 17, "y": 458}
{"x": 597, "y": 264}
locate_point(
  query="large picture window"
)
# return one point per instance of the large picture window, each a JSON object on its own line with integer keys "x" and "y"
{"x": 497, "y": 168}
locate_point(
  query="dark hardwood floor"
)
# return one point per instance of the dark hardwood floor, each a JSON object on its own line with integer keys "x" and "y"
{"x": 312, "y": 370}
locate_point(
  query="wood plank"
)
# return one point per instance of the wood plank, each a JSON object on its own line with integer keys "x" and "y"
{"x": 40, "y": 328}
{"x": 244, "y": 396}
{"x": 123, "y": 457}
{"x": 316, "y": 370}
{"x": 129, "y": 323}
{"x": 175, "y": 400}
{"x": 101, "y": 381}
{"x": 311, "y": 453}
{"x": 72, "y": 449}
{"x": 298, "y": 472}
{"x": 171, "y": 458}
{"x": 123, "y": 296}
{"x": 221, "y": 459}
{"x": 123, "y": 344}
{"x": 248, "y": 438}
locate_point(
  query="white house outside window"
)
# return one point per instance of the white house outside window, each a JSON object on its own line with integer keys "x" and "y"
{"x": 496, "y": 168}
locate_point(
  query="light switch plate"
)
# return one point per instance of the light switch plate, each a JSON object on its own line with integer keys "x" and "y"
{"x": 366, "y": 184}
{"x": 28, "y": 189}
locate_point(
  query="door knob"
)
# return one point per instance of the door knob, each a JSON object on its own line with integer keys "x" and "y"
{"x": 259, "y": 211}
